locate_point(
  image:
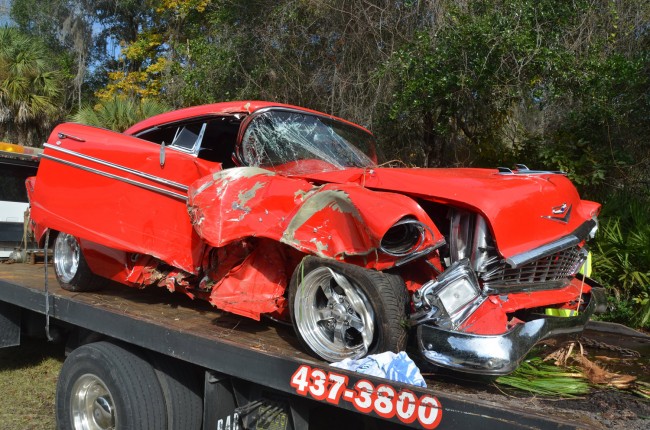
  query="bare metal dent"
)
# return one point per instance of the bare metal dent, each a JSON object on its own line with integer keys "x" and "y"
{"x": 329, "y": 207}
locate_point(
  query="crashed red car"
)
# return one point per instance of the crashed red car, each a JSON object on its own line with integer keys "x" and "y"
{"x": 275, "y": 210}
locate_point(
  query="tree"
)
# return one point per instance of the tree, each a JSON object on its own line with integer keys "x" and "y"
{"x": 463, "y": 85}
{"x": 30, "y": 88}
{"x": 66, "y": 25}
{"x": 86, "y": 35}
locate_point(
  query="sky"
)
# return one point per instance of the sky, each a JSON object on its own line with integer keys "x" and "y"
{"x": 4, "y": 12}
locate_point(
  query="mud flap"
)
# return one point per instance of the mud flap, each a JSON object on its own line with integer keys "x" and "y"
{"x": 219, "y": 403}
{"x": 9, "y": 325}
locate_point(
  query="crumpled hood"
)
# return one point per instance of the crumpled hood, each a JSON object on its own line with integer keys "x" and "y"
{"x": 518, "y": 207}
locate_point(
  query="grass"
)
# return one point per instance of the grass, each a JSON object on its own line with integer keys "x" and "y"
{"x": 28, "y": 375}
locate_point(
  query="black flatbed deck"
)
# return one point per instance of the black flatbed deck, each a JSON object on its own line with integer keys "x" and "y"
{"x": 266, "y": 352}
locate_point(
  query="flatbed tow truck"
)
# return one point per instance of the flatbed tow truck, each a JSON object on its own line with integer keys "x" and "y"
{"x": 151, "y": 359}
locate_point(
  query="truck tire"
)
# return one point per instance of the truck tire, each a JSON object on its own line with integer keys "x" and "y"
{"x": 70, "y": 266}
{"x": 183, "y": 392}
{"x": 106, "y": 386}
{"x": 344, "y": 311}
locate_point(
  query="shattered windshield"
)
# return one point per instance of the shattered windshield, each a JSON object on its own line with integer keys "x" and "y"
{"x": 297, "y": 142}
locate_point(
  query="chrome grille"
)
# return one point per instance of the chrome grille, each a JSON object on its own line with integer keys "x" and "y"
{"x": 552, "y": 271}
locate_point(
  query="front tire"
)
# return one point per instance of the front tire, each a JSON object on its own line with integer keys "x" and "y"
{"x": 344, "y": 311}
{"x": 70, "y": 266}
{"x": 104, "y": 386}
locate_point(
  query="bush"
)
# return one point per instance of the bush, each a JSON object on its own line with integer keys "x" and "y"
{"x": 622, "y": 259}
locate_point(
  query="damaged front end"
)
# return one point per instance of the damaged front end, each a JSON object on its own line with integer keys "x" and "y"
{"x": 484, "y": 313}
{"x": 496, "y": 354}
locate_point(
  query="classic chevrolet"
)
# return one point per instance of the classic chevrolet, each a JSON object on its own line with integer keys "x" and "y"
{"x": 266, "y": 209}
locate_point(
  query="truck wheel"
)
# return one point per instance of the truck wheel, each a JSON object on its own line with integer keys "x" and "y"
{"x": 70, "y": 266}
{"x": 344, "y": 311}
{"x": 104, "y": 386}
{"x": 183, "y": 392}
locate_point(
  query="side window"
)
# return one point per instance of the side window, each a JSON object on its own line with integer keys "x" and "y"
{"x": 219, "y": 141}
{"x": 212, "y": 139}
{"x": 184, "y": 136}
{"x": 159, "y": 135}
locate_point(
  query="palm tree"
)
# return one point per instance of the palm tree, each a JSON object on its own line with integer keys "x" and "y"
{"x": 118, "y": 113}
{"x": 30, "y": 88}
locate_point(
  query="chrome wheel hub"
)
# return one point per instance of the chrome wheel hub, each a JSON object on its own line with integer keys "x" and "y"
{"x": 92, "y": 406}
{"x": 333, "y": 315}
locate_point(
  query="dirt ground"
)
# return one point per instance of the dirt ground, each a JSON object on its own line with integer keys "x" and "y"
{"x": 614, "y": 409}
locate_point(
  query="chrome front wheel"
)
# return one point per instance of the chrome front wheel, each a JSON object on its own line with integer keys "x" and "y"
{"x": 333, "y": 316}
{"x": 343, "y": 311}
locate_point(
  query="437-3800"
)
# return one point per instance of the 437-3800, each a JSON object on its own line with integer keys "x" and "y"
{"x": 384, "y": 400}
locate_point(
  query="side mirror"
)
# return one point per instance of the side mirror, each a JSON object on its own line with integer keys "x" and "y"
{"x": 162, "y": 154}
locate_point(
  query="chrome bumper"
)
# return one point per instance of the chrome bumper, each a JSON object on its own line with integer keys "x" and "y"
{"x": 497, "y": 354}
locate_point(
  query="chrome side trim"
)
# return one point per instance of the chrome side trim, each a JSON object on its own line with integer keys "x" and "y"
{"x": 117, "y": 167}
{"x": 119, "y": 178}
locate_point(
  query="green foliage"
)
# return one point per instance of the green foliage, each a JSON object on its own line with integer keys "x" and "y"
{"x": 119, "y": 113}
{"x": 622, "y": 259}
{"x": 209, "y": 74}
{"x": 580, "y": 160}
{"x": 463, "y": 82}
{"x": 602, "y": 141}
{"x": 28, "y": 375}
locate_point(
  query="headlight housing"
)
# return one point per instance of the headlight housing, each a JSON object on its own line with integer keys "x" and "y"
{"x": 407, "y": 240}
{"x": 405, "y": 237}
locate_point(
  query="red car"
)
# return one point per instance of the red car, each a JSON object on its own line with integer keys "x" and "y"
{"x": 269, "y": 209}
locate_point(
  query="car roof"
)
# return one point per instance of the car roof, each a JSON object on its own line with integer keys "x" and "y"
{"x": 224, "y": 108}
